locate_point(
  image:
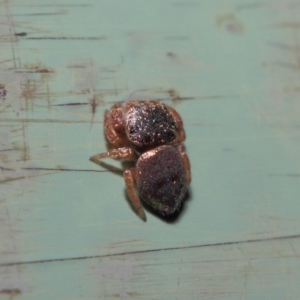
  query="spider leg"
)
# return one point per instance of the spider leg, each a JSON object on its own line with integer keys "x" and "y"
{"x": 181, "y": 133}
{"x": 186, "y": 163}
{"x": 124, "y": 152}
{"x": 114, "y": 127}
{"x": 130, "y": 179}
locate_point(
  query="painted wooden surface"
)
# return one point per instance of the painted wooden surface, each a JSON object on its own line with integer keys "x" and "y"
{"x": 231, "y": 68}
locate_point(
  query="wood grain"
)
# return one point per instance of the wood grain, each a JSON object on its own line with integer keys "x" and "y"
{"x": 232, "y": 71}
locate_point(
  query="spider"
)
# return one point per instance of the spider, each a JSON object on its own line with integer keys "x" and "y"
{"x": 151, "y": 134}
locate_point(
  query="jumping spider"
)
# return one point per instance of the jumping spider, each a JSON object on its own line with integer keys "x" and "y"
{"x": 151, "y": 134}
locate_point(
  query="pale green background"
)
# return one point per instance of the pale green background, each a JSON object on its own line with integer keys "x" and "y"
{"x": 66, "y": 229}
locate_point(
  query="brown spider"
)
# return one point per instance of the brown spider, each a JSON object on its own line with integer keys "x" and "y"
{"x": 150, "y": 133}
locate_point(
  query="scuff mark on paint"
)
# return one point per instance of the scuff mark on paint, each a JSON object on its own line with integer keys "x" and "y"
{"x": 230, "y": 23}
{"x": 11, "y": 284}
{"x": 121, "y": 269}
{"x": 3, "y": 92}
{"x": 11, "y": 292}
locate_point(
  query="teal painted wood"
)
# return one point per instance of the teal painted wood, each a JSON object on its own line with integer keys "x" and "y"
{"x": 230, "y": 69}
{"x": 256, "y": 270}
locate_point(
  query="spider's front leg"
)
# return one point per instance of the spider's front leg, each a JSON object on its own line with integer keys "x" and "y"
{"x": 114, "y": 126}
{"x": 130, "y": 176}
{"x": 116, "y": 136}
{"x": 124, "y": 152}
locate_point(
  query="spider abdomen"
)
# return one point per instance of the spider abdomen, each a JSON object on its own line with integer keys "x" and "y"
{"x": 161, "y": 179}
